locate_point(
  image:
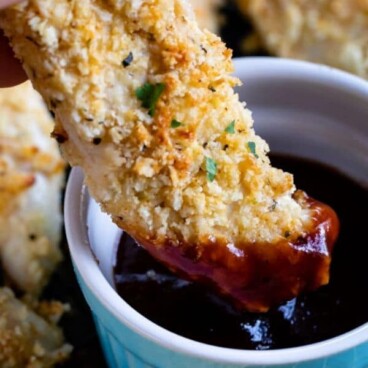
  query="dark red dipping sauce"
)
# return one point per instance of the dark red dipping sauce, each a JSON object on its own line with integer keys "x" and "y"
{"x": 193, "y": 311}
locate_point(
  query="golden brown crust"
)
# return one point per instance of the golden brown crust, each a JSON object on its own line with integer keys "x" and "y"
{"x": 143, "y": 169}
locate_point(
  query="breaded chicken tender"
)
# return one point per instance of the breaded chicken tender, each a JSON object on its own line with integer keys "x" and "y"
{"x": 31, "y": 178}
{"x": 144, "y": 103}
{"x": 26, "y": 339}
{"x": 332, "y": 32}
{"x": 206, "y": 12}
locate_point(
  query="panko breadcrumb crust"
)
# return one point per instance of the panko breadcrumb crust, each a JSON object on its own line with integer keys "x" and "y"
{"x": 184, "y": 175}
{"x": 73, "y": 53}
{"x": 31, "y": 180}
{"x": 332, "y": 32}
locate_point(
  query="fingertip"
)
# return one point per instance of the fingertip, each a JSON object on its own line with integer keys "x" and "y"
{"x": 11, "y": 71}
{"x": 6, "y": 3}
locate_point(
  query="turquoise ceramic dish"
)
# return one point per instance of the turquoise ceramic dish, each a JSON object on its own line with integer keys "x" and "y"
{"x": 300, "y": 108}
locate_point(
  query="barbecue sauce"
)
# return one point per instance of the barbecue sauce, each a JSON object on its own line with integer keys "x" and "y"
{"x": 194, "y": 311}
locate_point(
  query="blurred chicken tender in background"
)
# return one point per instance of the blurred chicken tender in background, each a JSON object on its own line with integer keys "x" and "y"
{"x": 31, "y": 179}
{"x": 207, "y": 13}
{"x": 27, "y": 339}
{"x": 332, "y": 32}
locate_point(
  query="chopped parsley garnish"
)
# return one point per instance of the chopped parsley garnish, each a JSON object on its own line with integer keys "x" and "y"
{"x": 149, "y": 95}
{"x": 128, "y": 60}
{"x": 175, "y": 124}
{"x": 252, "y": 149}
{"x": 231, "y": 128}
{"x": 211, "y": 169}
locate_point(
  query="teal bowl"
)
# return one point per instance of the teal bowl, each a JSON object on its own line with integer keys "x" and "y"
{"x": 303, "y": 109}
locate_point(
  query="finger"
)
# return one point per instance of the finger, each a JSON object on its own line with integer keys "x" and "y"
{"x": 11, "y": 71}
{"x": 5, "y": 3}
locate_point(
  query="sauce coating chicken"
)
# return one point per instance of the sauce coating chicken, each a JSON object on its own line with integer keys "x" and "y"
{"x": 144, "y": 103}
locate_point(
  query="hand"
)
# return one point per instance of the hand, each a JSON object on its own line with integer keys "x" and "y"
{"x": 11, "y": 72}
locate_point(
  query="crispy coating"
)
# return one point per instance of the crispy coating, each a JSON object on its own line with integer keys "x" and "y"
{"x": 206, "y": 12}
{"x": 27, "y": 340}
{"x": 144, "y": 103}
{"x": 31, "y": 178}
{"x": 149, "y": 176}
{"x": 332, "y": 32}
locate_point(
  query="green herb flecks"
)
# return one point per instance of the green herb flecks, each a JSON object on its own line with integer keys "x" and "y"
{"x": 211, "y": 169}
{"x": 175, "y": 124}
{"x": 231, "y": 128}
{"x": 149, "y": 95}
{"x": 252, "y": 148}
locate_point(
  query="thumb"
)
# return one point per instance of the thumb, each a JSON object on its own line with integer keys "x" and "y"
{"x": 6, "y": 3}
